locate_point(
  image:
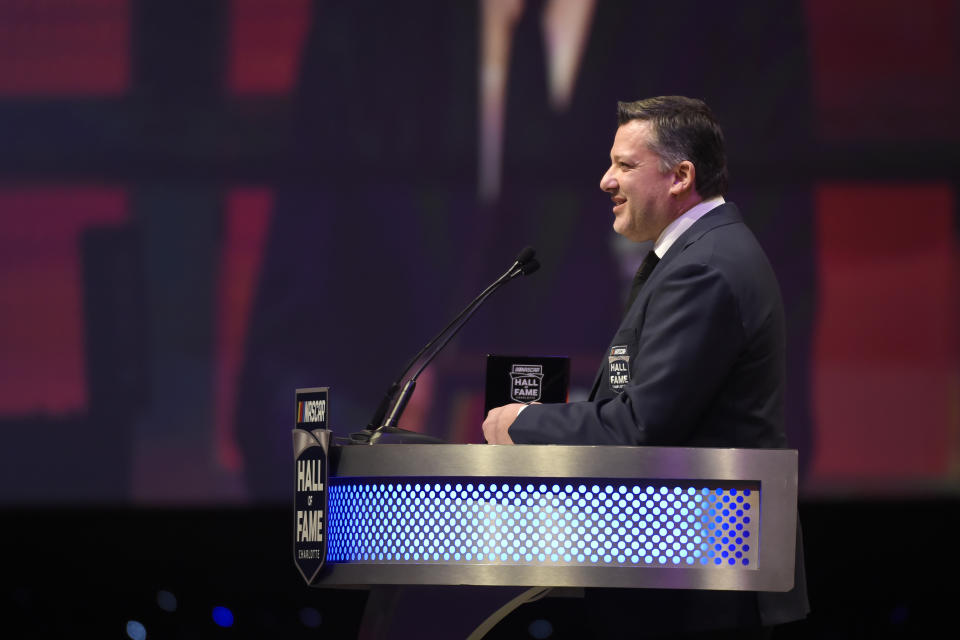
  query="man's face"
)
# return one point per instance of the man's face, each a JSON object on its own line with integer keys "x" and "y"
{"x": 639, "y": 190}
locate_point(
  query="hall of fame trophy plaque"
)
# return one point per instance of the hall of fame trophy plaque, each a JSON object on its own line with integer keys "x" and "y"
{"x": 526, "y": 379}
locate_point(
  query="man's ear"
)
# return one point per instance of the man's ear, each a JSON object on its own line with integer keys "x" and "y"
{"x": 684, "y": 178}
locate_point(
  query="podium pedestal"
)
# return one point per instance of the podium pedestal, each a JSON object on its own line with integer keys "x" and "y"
{"x": 400, "y": 612}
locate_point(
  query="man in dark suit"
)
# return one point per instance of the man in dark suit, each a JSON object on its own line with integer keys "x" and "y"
{"x": 699, "y": 358}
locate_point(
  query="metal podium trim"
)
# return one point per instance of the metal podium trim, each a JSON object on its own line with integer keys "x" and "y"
{"x": 774, "y": 470}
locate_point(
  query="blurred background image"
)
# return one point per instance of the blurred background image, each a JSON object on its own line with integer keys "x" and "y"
{"x": 206, "y": 205}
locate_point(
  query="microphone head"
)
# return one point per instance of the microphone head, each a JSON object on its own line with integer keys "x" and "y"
{"x": 529, "y": 267}
{"x": 526, "y": 255}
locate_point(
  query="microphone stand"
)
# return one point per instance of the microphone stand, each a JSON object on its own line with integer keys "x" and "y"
{"x": 387, "y": 430}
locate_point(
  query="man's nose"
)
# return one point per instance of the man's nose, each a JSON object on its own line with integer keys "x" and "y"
{"x": 608, "y": 182}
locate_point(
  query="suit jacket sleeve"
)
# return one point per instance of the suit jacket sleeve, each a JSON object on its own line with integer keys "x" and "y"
{"x": 687, "y": 341}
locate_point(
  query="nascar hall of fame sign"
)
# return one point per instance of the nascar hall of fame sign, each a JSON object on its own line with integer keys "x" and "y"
{"x": 526, "y": 379}
{"x": 526, "y": 382}
{"x": 619, "y": 367}
{"x": 311, "y": 443}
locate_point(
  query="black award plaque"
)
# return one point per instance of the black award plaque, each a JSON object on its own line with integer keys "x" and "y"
{"x": 526, "y": 379}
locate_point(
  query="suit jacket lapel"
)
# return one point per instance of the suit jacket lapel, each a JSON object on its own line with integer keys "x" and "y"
{"x": 725, "y": 214}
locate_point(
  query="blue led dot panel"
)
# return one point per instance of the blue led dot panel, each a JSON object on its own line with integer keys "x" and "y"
{"x": 521, "y": 523}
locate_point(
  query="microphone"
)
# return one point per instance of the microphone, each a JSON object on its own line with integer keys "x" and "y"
{"x": 523, "y": 260}
{"x": 526, "y": 255}
{"x": 381, "y": 422}
{"x": 529, "y": 267}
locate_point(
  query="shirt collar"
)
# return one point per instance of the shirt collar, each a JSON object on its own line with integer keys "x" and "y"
{"x": 676, "y": 228}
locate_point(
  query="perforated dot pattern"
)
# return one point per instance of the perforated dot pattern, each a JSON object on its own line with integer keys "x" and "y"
{"x": 523, "y": 523}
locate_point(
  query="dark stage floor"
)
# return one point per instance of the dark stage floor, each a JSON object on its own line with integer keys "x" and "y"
{"x": 875, "y": 568}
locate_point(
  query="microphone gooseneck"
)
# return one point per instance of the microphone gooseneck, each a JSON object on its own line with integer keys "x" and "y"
{"x": 524, "y": 264}
{"x": 523, "y": 260}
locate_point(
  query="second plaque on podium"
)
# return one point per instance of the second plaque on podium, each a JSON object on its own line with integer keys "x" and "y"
{"x": 526, "y": 379}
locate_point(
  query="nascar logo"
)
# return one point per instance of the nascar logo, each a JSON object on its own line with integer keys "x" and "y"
{"x": 312, "y": 411}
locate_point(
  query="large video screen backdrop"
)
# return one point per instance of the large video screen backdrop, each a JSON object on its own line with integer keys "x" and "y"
{"x": 207, "y": 205}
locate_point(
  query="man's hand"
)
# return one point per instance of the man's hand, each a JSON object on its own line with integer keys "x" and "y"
{"x": 498, "y": 422}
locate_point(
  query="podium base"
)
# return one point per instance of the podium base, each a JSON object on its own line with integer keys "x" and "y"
{"x": 440, "y": 612}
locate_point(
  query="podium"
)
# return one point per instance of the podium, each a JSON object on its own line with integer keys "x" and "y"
{"x": 485, "y": 528}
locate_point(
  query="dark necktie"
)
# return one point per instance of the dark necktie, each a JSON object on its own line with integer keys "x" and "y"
{"x": 646, "y": 268}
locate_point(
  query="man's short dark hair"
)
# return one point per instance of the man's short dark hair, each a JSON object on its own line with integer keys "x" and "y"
{"x": 684, "y": 129}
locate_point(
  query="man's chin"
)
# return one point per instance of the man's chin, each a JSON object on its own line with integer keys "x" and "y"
{"x": 621, "y": 228}
{"x": 630, "y": 234}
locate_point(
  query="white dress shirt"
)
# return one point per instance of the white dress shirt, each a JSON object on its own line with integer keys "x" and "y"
{"x": 676, "y": 228}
